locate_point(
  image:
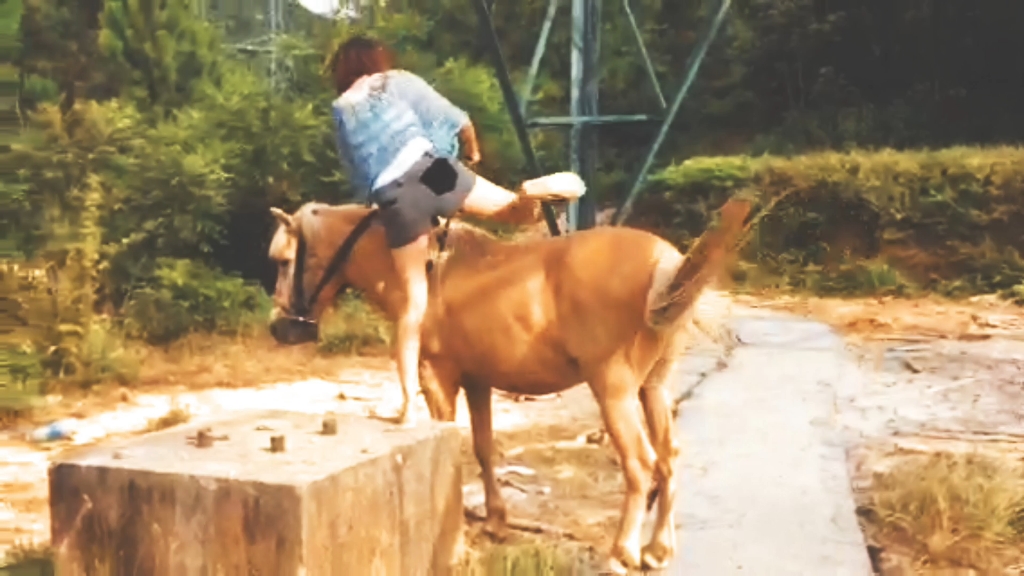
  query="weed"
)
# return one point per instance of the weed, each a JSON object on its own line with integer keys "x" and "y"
{"x": 526, "y": 559}
{"x": 27, "y": 552}
{"x": 86, "y": 356}
{"x": 175, "y": 416}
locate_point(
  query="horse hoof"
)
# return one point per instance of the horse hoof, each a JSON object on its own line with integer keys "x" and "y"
{"x": 615, "y": 566}
{"x": 407, "y": 420}
{"x": 496, "y": 530}
{"x": 401, "y": 419}
{"x": 623, "y": 560}
{"x": 656, "y": 556}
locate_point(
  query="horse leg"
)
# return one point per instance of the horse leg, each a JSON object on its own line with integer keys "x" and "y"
{"x": 658, "y": 411}
{"x": 478, "y": 398}
{"x": 616, "y": 390}
{"x": 439, "y": 382}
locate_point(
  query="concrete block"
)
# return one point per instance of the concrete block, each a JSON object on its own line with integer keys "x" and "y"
{"x": 372, "y": 499}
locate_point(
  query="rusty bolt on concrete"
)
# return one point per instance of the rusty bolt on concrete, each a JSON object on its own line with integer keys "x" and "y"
{"x": 277, "y": 443}
{"x": 204, "y": 438}
{"x": 330, "y": 426}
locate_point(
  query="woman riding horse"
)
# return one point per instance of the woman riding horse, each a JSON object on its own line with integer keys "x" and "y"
{"x": 400, "y": 140}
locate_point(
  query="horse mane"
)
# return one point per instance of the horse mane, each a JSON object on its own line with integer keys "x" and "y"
{"x": 468, "y": 241}
{"x": 311, "y": 219}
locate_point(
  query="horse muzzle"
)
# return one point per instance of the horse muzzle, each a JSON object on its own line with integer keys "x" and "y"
{"x": 294, "y": 330}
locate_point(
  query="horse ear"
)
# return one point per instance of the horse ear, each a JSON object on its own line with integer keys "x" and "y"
{"x": 285, "y": 219}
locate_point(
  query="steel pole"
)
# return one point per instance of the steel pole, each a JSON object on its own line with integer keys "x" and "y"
{"x": 583, "y": 95}
{"x": 511, "y": 102}
{"x": 695, "y": 61}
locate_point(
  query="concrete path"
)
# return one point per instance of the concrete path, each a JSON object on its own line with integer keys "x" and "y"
{"x": 763, "y": 481}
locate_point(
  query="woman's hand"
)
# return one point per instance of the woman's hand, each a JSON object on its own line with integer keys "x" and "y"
{"x": 470, "y": 146}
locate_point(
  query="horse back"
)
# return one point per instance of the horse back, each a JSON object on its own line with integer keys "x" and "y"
{"x": 541, "y": 312}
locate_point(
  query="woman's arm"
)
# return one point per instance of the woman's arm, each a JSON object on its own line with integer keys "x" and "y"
{"x": 470, "y": 146}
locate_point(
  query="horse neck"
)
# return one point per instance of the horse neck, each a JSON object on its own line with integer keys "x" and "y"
{"x": 369, "y": 268}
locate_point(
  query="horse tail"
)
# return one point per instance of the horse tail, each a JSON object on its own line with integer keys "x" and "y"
{"x": 693, "y": 273}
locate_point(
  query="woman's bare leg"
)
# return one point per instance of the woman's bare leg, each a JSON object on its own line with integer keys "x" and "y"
{"x": 489, "y": 200}
{"x": 411, "y": 264}
{"x": 485, "y": 199}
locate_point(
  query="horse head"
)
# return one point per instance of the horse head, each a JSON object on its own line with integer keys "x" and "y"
{"x": 317, "y": 251}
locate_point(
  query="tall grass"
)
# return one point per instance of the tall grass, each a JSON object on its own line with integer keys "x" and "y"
{"x": 950, "y": 510}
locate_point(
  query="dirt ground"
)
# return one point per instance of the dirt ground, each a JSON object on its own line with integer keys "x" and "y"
{"x": 944, "y": 376}
{"x": 941, "y": 403}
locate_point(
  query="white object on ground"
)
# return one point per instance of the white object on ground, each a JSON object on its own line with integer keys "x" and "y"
{"x": 515, "y": 469}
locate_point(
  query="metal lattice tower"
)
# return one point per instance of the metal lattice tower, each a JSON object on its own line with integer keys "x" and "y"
{"x": 584, "y": 116}
{"x": 252, "y": 28}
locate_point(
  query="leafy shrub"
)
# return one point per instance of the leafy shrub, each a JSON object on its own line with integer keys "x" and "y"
{"x": 88, "y": 355}
{"x": 1017, "y": 294}
{"x": 55, "y": 338}
{"x": 353, "y": 327}
{"x": 946, "y": 220}
{"x": 195, "y": 184}
{"x": 185, "y": 296}
{"x": 856, "y": 278}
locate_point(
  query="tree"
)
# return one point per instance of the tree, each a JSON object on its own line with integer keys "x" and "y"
{"x": 159, "y": 52}
{"x": 58, "y": 42}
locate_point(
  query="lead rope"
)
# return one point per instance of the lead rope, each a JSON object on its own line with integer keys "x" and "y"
{"x": 442, "y": 242}
{"x": 434, "y": 264}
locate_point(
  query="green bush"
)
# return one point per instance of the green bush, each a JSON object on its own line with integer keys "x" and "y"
{"x": 89, "y": 355}
{"x": 857, "y": 278}
{"x": 353, "y": 327}
{"x": 946, "y": 220}
{"x": 185, "y": 297}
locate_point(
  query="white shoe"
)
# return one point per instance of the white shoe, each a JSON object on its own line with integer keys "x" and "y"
{"x": 560, "y": 186}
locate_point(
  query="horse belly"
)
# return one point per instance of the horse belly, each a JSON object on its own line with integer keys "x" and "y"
{"x": 510, "y": 340}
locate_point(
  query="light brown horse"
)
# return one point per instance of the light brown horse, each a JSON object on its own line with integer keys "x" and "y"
{"x": 605, "y": 306}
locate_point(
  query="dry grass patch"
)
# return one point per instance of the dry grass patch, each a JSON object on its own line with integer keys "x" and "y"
{"x": 527, "y": 558}
{"x": 175, "y": 416}
{"x": 945, "y": 510}
{"x": 203, "y": 361}
{"x": 27, "y": 553}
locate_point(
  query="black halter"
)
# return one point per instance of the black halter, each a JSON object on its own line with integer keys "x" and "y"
{"x": 300, "y": 305}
